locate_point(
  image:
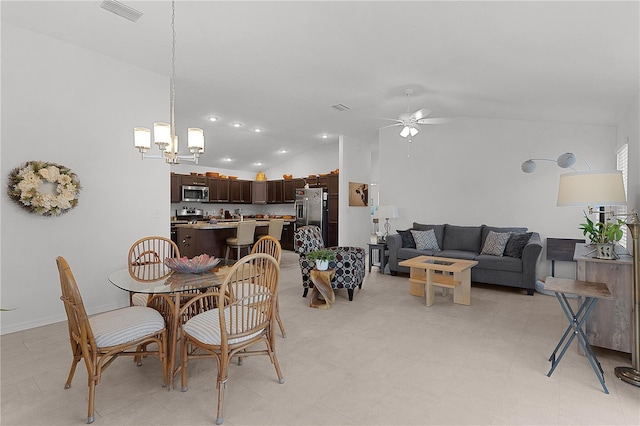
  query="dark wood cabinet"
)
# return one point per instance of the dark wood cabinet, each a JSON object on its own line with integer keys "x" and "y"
{"x": 192, "y": 180}
{"x": 289, "y": 187}
{"x": 274, "y": 192}
{"x": 259, "y": 192}
{"x": 218, "y": 190}
{"x": 240, "y": 191}
{"x": 286, "y": 240}
{"x": 176, "y": 188}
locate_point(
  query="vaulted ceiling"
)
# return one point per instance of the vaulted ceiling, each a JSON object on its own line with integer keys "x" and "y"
{"x": 281, "y": 66}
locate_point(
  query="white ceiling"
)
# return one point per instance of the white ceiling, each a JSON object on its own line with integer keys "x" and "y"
{"x": 282, "y": 65}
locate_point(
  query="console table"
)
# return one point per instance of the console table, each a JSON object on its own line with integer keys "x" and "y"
{"x": 610, "y": 325}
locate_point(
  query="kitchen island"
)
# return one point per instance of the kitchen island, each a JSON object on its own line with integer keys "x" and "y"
{"x": 210, "y": 238}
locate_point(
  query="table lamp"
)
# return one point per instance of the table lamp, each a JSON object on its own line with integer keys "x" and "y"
{"x": 606, "y": 188}
{"x": 387, "y": 212}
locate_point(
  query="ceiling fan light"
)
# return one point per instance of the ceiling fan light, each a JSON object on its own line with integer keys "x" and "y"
{"x": 405, "y": 131}
{"x": 413, "y": 131}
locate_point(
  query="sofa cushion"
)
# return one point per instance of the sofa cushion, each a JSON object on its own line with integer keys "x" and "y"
{"x": 495, "y": 243}
{"x": 407, "y": 238}
{"x": 513, "y": 230}
{"x": 458, "y": 254}
{"x": 425, "y": 240}
{"x": 516, "y": 244}
{"x": 462, "y": 238}
{"x": 408, "y": 253}
{"x": 495, "y": 263}
{"x": 438, "y": 229}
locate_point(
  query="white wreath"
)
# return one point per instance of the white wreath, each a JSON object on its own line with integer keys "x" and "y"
{"x": 26, "y": 183}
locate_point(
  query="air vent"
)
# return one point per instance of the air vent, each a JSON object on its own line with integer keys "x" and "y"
{"x": 121, "y": 9}
{"x": 340, "y": 107}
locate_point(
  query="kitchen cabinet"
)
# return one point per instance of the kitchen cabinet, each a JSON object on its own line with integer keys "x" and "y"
{"x": 259, "y": 192}
{"x": 240, "y": 191}
{"x": 219, "y": 190}
{"x": 176, "y": 190}
{"x": 289, "y": 187}
{"x": 192, "y": 180}
{"x": 286, "y": 240}
{"x": 274, "y": 191}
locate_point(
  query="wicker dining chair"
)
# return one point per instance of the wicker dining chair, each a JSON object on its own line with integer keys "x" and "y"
{"x": 243, "y": 317}
{"x": 99, "y": 340}
{"x": 146, "y": 263}
{"x": 270, "y": 245}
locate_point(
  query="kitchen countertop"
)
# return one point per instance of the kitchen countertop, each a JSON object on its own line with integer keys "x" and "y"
{"x": 221, "y": 224}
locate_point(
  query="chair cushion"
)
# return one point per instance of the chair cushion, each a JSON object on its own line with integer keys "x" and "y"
{"x": 140, "y": 299}
{"x": 206, "y": 326}
{"x": 125, "y": 325}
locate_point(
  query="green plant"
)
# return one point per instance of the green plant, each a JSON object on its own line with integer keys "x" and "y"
{"x": 599, "y": 232}
{"x": 322, "y": 254}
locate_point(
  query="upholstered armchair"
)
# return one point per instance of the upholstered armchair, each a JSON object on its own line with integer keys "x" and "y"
{"x": 349, "y": 262}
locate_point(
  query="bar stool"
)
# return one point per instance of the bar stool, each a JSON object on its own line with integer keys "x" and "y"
{"x": 275, "y": 228}
{"x": 243, "y": 239}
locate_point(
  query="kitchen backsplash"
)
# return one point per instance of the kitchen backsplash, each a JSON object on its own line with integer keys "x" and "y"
{"x": 247, "y": 209}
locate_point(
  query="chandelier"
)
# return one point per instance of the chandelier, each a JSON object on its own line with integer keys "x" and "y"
{"x": 165, "y": 133}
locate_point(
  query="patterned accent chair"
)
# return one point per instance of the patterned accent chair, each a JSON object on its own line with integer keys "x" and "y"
{"x": 349, "y": 262}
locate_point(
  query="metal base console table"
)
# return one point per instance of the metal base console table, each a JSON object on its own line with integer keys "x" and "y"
{"x": 590, "y": 292}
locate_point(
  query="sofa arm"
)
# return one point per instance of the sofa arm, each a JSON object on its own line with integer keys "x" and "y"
{"x": 394, "y": 243}
{"x": 530, "y": 255}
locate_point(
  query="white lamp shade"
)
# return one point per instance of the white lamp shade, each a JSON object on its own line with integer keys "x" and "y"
{"x": 405, "y": 131}
{"x": 142, "y": 137}
{"x": 593, "y": 188}
{"x": 162, "y": 133}
{"x": 413, "y": 131}
{"x": 387, "y": 212}
{"x": 173, "y": 147}
{"x": 195, "y": 139}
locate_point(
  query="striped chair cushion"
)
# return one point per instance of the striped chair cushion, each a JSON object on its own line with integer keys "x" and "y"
{"x": 125, "y": 325}
{"x": 140, "y": 299}
{"x": 206, "y": 326}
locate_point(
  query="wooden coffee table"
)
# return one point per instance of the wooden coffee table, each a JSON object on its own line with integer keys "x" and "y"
{"x": 431, "y": 271}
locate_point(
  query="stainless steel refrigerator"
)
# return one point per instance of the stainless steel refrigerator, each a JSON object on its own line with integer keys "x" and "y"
{"x": 311, "y": 209}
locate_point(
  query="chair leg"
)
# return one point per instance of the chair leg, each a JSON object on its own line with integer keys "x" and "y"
{"x": 92, "y": 396}
{"x": 350, "y": 291}
{"x": 274, "y": 361}
{"x": 304, "y": 293}
{"x": 77, "y": 356}
{"x": 226, "y": 255}
{"x": 279, "y": 319}
{"x": 222, "y": 383}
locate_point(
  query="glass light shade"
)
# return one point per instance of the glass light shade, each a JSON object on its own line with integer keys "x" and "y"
{"x": 405, "y": 131}
{"x": 195, "y": 139}
{"x": 173, "y": 147}
{"x": 528, "y": 166}
{"x": 566, "y": 160}
{"x": 592, "y": 188}
{"x": 162, "y": 133}
{"x": 413, "y": 131}
{"x": 142, "y": 138}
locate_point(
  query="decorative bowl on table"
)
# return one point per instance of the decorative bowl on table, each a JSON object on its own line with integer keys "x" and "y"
{"x": 198, "y": 264}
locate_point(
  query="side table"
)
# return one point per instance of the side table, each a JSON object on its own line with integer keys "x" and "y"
{"x": 381, "y": 248}
{"x": 590, "y": 292}
{"x": 322, "y": 286}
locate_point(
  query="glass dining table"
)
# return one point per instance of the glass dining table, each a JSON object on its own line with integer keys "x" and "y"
{"x": 177, "y": 287}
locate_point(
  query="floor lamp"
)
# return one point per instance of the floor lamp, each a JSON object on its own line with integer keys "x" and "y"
{"x": 595, "y": 188}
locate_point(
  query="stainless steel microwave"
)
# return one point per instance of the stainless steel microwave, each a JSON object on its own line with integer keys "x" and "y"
{"x": 195, "y": 193}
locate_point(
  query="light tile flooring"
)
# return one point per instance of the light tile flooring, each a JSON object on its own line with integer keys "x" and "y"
{"x": 384, "y": 358}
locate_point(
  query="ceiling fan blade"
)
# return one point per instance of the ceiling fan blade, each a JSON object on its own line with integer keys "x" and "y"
{"x": 389, "y": 119}
{"x": 420, "y": 114}
{"x": 435, "y": 121}
{"x": 390, "y": 125}
{"x": 404, "y": 117}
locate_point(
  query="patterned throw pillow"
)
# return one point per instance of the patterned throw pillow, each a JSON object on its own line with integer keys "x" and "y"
{"x": 407, "y": 239}
{"x": 495, "y": 243}
{"x": 516, "y": 244}
{"x": 425, "y": 240}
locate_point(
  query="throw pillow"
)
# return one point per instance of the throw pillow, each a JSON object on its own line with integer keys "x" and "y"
{"x": 516, "y": 244}
{"x": 407, "y": 239}
{"x": 495, "y": 243}
{"x": 425, "y": 240}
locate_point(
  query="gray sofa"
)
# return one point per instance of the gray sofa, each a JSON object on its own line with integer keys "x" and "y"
{"x": 515, "y": 268}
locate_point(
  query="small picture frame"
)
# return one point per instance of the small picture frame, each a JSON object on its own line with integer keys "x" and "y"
{"x": 358, "y": 194}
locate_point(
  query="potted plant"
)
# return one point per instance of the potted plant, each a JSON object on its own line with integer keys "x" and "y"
{"x": 322, "y": 258}
{"x": 603, "y": 235}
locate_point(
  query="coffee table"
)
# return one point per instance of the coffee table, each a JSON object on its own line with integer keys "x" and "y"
{"x": 432, "y": 271}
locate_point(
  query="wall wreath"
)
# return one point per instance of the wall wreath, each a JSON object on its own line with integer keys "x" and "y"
{"x": 47, "y": 189}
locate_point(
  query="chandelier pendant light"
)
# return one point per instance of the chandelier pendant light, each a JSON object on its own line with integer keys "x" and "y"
{"x": 165, "y": 133}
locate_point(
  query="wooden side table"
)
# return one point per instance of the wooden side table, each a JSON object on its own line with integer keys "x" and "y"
{"x": 381, "y": 248}
{"x": 322, "y": 286}
{"x": 590, "y": 292}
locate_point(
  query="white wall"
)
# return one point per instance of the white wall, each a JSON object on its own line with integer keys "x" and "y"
{"x": 70, "y": 106}
{"x": 468, "y": 173}
{"x": 354, "y": 223}
{"x": 321, "y": 159}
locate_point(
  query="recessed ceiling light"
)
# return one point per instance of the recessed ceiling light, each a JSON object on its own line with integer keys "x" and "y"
{"x": 258, "y": 163}
{"x": 227, "y": 159}
{"x": 283, "y": 151}
{"x": 257, "y": 130}
{"x": 213, "y": 118}
{"x": 324, "y": 136}
{"x": 236, "y": 124}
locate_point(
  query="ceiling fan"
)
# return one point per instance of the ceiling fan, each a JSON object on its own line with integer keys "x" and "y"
{"x": 411, "y": 122}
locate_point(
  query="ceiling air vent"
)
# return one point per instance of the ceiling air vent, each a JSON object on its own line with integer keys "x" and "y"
{"x": 340, "y": 107}
{"x": 121, "y": 9}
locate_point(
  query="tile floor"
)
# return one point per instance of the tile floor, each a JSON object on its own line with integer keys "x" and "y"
{"x": 383, "y": 359}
